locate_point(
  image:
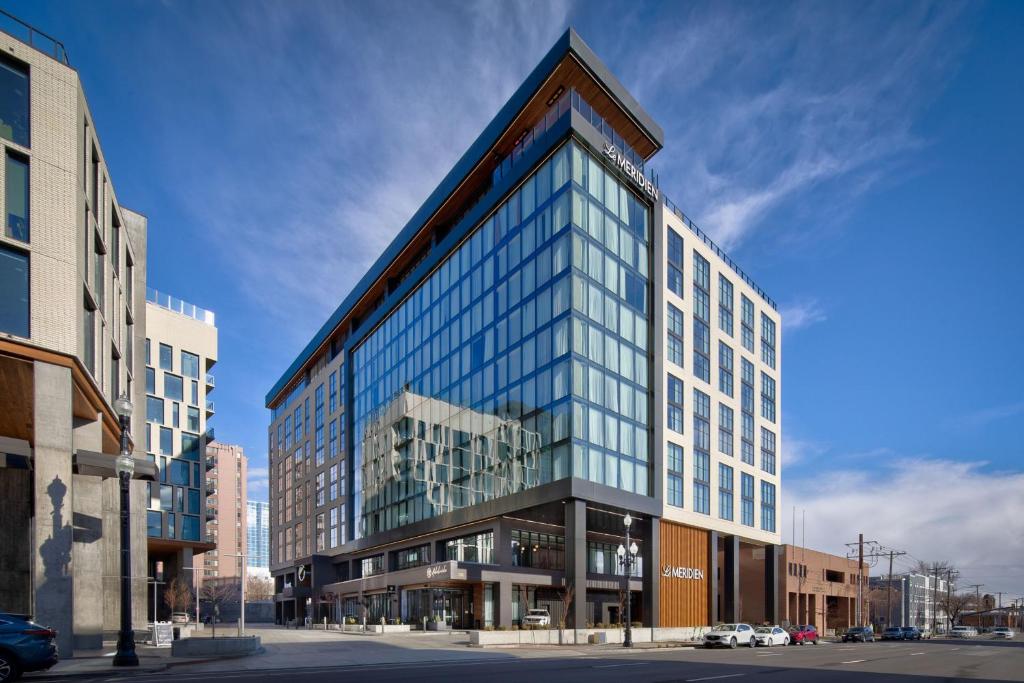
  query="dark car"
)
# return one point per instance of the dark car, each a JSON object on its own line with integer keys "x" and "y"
{"x": 799, "y": 635}
{"x": 24, "y": 646}
{"x": 911, "y": 633}
{"x": 862, "y": 634}
{"x": 892, "y": 633}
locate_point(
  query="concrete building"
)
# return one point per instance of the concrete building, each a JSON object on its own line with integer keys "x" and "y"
{"x": 228, "y": 525}
{"x": 72, "y": 330}
{"x": 548, "y": 345}
{"x": 258, "y": 538}
{"x": 181, "y": 349}
{"x": 917, "y": 600}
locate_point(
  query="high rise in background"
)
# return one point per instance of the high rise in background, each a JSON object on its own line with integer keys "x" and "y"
{"x": 180, "y": 351}
{"x": 227, "y": 526}
{"x": 258, "y": 538}
{"x": 72, "y": 325}
{"x": 547, "y": 350}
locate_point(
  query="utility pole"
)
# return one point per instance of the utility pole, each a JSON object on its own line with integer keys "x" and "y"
{"x": 935, "y": 601}
{"x": 888, "y": 598}
{"x": 977, "y": 600}
{"x": 859, "y": 545}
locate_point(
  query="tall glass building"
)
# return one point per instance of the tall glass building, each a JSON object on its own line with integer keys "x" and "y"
{"x": 464, "y": 438}
{"x": 258, "y": 537}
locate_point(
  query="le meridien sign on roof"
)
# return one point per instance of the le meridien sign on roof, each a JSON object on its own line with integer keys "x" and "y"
{"x": 634, "y": 173}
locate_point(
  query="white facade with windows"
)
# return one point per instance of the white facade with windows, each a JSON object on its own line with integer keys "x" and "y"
{"x": 721, "y": 344}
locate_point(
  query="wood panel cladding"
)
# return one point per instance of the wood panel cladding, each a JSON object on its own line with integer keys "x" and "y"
{"x": 684, "y": 573}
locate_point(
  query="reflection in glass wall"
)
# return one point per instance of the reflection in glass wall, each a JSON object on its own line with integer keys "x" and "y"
{"x": 462, "y": 394}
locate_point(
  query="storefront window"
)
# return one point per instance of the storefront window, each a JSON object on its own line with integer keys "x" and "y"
{"x": 475, "y": 548}
{"x": 372, "y": 565}
{"x": 533, "y": 549}
{"x": 602, "y": 558}
{"x": 412, "y": 557}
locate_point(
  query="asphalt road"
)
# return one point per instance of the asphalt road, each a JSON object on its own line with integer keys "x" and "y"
{"x": 914, "y": 662}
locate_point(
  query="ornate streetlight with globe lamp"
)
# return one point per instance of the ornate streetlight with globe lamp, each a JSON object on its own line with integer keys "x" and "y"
{"x": 125, "y": 467}
{"x": 627, "y": 560}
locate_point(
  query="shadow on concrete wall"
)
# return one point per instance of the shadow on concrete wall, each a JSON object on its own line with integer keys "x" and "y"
{"x": 53, "y": 597}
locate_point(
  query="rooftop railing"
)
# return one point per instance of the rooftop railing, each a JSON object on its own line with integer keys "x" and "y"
{"x": 179, "y": 306}
{"x": 33, "y": 37}
{"x": 671, "y": 206}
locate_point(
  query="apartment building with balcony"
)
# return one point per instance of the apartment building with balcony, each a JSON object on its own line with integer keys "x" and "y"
{"x": 72, "y": 330}
{"x": 179, "y": 354}
{"x": 227, "y": 525}
{"x": 547, "y": 348}
{"x": 258, "y": 538}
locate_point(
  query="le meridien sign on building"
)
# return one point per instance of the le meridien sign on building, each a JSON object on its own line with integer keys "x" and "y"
{"x": 634, "y": 173}
{"x": 691, "y": 573}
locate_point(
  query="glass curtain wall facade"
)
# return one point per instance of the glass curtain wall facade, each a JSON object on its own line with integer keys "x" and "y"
{"x": 539, "y": 318}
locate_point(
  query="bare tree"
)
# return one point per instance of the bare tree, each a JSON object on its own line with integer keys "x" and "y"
{"x": 219, "y": 593}
{"x": 567, "y": 596}
{"x": 955, "y": 605}
{"x": 178, "y": 595}
{"x": 258, "y": 588}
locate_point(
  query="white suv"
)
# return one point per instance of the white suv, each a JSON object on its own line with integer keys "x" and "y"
{"x": 537, "y": 617}
{"x": 962, "y": 632}
{"x": 730, "y": 635}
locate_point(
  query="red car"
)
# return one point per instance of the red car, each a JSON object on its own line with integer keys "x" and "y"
{"x": 798, "y": 635}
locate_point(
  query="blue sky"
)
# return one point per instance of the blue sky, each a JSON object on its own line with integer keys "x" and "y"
{"x": 860, "y": 160}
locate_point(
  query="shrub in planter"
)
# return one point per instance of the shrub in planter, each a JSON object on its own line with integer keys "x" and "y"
{"x": 488, "y": 628}
{"x": 350, "y": 621}
{"x": 637, "y": 624}
{"x": 503, "y": 628}
{"x": 515, "y": 627}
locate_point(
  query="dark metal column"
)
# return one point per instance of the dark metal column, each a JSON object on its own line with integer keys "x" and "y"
{"x": 576, "y": 560}
{"x": 731, "y": 580}
{"x": 771, "y": 584}
{"x": 713, "y": 577}
{"x": 651, "y": 552}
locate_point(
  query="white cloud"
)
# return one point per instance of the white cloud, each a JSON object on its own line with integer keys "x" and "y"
{"x": 800, "y": 314}
{"x": 257, "y": 484}
{"x": 984, "y": 417}
{"x": 761, "y": 108}
{"x": 932, "y": 508}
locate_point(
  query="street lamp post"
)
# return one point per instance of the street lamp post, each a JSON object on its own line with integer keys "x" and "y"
{"x": 627, "y": 560}
{"x": 195, "y": 586}
{"x": 241, "y": 624}
{"x": 125, "y": 466}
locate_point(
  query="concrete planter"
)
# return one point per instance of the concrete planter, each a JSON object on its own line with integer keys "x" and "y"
{"x": 584, "y": 636}
{"x": 438, "y": 626}
{"x": 216, "y": 647}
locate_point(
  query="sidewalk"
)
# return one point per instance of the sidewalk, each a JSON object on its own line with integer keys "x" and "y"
{"x": 101, "y": 662}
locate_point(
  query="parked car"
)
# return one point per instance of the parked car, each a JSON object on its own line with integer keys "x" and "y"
{"x": 799, "y": 635}
{"x": 537, "y": 617}
{"x": 863, "y": 634}
{"x": 180, "y": 618}
{"x": 911, "y": 633}
{"x": 962, "y": 632}
{"x": 771, "y": 635}
{"x": 892, "y": 633}
{"x": 1003, "y": 632}
{"x": 730, "y": 635}
{"x": 24, "y": 646}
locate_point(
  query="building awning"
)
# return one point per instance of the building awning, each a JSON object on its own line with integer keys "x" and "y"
{"x": 103, "y": 465}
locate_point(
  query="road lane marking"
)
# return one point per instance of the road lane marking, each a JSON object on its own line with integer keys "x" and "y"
{"x": 612, "y": 666}
{"x": 713, "y": 678}
{"x": 914, "y": 654}
{"x": 843, "y": 649}
{"x": 854, "y": 661}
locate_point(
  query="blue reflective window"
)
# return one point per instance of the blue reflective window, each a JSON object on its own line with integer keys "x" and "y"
{"x": 14, "y": 304}
{"x": 14, "y": 98}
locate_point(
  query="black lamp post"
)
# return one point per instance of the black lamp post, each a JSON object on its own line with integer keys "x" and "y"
{"x": 125, "y": 467}
{"x": 627, "y": 560}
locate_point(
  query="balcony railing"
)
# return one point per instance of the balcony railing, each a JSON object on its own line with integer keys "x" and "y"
{"x": 671, "y": 206}
{"x": 32, "y": 36}
{"x": 209, "y": 406}
{"x": 209, "y": 433}
{"x": 178, "y": 306}
{"x": 210, "y": 380}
